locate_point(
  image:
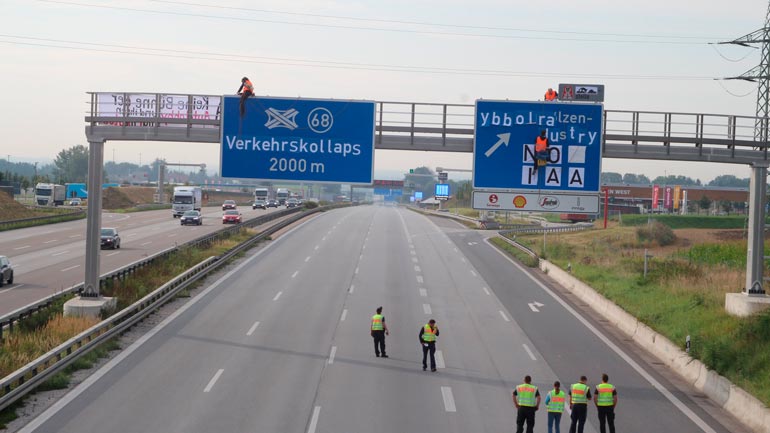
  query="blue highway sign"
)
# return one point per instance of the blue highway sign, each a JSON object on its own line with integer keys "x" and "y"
{"x": 504, "y": 146}
{"x": 309, "y": 140}
{"x": 442, "y": 190}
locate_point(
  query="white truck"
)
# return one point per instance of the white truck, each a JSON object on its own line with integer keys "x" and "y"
{"x": 50, "y": 194}
{"x": 281, "y": 194}
{"x": 186, "y": 198}
{"x": 260, "y": 194}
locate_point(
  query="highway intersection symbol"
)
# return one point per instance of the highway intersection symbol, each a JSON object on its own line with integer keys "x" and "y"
{"x": 281, "y": 118}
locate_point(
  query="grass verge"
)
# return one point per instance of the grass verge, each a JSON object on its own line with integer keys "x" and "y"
{"x": 688, "y": 221}
{"x": 518, "y": 254}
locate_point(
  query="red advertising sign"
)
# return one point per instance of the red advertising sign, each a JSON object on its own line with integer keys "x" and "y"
{"x": 655, "y": 196}
{"x": 667, "y": 200}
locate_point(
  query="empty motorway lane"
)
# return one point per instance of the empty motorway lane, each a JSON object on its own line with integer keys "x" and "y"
{"x": 281, "y": 344}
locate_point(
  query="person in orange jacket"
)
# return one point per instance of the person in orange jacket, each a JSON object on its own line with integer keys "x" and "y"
{"x": 551, "y": 95}
{"x": 246, "y": 90}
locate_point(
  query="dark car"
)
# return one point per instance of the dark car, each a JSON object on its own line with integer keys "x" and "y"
{"x": 110, "y": 238}
{"x": 231, "y": 216}
{"x": 229, "y": 204}
{"x": 191, "y": 217}
{"x": 292, "y": 202}
{"x": 272, "y": 203}
{"x": 6, "y": 270}
{"x": 261, "y": 204}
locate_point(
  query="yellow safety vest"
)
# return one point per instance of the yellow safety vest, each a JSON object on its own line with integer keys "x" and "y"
{"x": 580, "y": 393}
{"x": 556, "y": 401}
{"x": 604, "y": 394}
{"x": 377, "y": 322}
{"x": 428, "y": 335}
{"x": 526, "y": 393}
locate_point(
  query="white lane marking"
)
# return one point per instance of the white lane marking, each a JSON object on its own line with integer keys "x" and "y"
{"x": 316, "y": 247}
{"x": 474, "y": 273}
{"x": 638, "y": 368}
{"x": 51, "y": 241}
{"x": 253, "y": 328}
{"x": 456, "y": 250}
{"x": 419, "y": 279}
{"x": 111, "y": 364}
{"x": 172, "y": 235}
{"x": 417, "y": 268}
{"x": 323, "y": 238}
{"x": 463, "y": 259}
{"x": 504, "y": 316}
{"x": 486, "y": 291}
{"x": 529, "y": 351}
{"x": 423, "y": 293}
{"x": 214, "y": 380}
{"x": 278, "y": 295}
{"x": 314, "y": 420}
{"x": 11, "y": 288}
{"x": 533, "y": 307}
{"x": 440, "y": 359}
{"x": 112, "y": 254}
{"x": 344, "y": 315}
{"x": 146, "y": 243}
{"x": 22, "y": 248}
{"x": 413, "y": 253}
{"x": 294, "y": 274}
{"x": 70, "y": 268}
{"x": 331, "y": 354}
{"x": 351, "y": 288}
{"x": 74, "y": 236}
{"x": 356, "y": 269}
{"x": 307, "y": 259}
{"x": 426, "y": 308}
{"x": 449, "y": 400}
{"x": 134, "y": 234}
{"x": 59, "y": 253}
{"x": 415, "y": 259}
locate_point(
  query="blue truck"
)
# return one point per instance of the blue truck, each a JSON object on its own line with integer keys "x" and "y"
{"x": 79, "y": 190}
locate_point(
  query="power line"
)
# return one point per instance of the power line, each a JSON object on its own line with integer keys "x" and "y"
{"x": 375, "y": 29}
{"x": 427, "y": 23}
{"x": 185, "y": 54}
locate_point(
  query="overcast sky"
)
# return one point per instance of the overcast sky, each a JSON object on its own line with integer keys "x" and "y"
{"x": 650, "y": 54}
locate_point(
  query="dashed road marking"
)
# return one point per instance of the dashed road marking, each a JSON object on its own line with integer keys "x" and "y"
{"x": 356, "y": 269}
{"x": 278, "y": 295}
{"x": 294, "y": 274}
{"x": 70, "y": 268}
{"x": 51, "y": 241}
{"x": 59, "y": 253}
{"x": 113, "y": 254}
{"x": 307, "y": 259}
{"x": 449, "y": 400}
{"x": 331, "y": 354}
{"x": 419, "y": 279}
{"x": 504, "y": 316}
{"x": 440, "y": 359}
{"x": 486, "y": 291}
{"x": 146, "y": 243}
{"x": 413, "y": 253}
{"x": 351, "y": 288}
{"x": 316, "y": 247}
{"x": 214, "y": 380}
{"x": 426, "y": 308}
{"x": 314, "y": 420}
{"x": 22, "y": 248}
{"x": 474, "y": 273}
{"x": 11, "y": 288}
{"x": 529, "y": 352}
{"x": 415, "y": 259}
{"x": 344, "y": 315}
{"x": 417, "y": 268}
{"x": 74, "y": 236}
{"x": 423, "y": 293}
{"x": 253, "y": 328}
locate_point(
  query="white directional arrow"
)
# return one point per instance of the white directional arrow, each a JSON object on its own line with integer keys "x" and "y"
{"x": 533, "y": 306}
{"x": 503, "y": 139}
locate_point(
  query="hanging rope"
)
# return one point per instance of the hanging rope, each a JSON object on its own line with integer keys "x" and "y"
{"x": 729, "y": 59}
{"x": 751, "y": 92}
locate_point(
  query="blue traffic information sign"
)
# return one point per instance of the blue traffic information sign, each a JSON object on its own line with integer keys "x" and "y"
{"x": 504, "y": 155}
{"x": 442, "y": 190}
{"x": 308, "y": 140}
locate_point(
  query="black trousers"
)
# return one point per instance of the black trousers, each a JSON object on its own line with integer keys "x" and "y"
{"x": 606, "y": 414}
{"x": 379, "y": 342}
{"x": 429, "y": 347}
{"x": 578, "y": 417}
{"x": 525, "y": 414}
{"x": 244, "y": 96}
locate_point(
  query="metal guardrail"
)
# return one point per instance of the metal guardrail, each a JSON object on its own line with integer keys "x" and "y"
{"x": 5, "y": 224}
{"x": 449, "y": 127}
{"x": 521, "y": 247}
{"x": 534, "y": 229}
{"x": 16, "y": 385}
{"x": 8, "y": 320}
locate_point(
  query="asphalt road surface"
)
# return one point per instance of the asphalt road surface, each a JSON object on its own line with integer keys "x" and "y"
{"x": 281, "y": 344}
{"x": 50, "y": 258}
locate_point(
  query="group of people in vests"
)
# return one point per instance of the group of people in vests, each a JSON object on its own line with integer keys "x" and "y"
{"x": 526, "y": 398}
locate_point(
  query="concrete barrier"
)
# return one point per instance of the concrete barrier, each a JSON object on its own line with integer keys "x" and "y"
{"x": 745, "y": 407}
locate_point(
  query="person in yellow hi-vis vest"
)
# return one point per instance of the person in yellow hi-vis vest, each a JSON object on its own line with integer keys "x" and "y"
{"x": 554, "y": 404}
{"x": 526, "y": 398}
{"x": 427, "y": 335}
{"x": 378, "y": 331}
{"x": 579, "y": 395}
{"x": 606, "y": 398}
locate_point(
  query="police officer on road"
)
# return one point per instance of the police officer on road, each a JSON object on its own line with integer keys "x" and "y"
{"x": 428, "y": 334}
{"x": 606, "y": 398}
{"x": 378, "y": 331}
{"x": 526, "y": 398}
{"x": 554, "y": 403}
{"x": 579, "y": 394}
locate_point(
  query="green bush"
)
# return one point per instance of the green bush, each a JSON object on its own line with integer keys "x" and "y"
{"x": 656, "y": 232}
{"x": 311, "y": 205}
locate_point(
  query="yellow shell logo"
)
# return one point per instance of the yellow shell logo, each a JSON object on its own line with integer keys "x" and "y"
{"x": 519, "y": 201}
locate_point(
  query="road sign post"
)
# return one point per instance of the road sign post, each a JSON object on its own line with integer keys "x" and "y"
{"x": 308, "y": 140}
{"x": 505, "y": 160}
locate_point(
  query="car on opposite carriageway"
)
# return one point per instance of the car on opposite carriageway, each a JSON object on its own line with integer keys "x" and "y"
{"x": 192, "y": 217}
{"x": 110, "y": 238}
{"x": 6, "y": 271}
